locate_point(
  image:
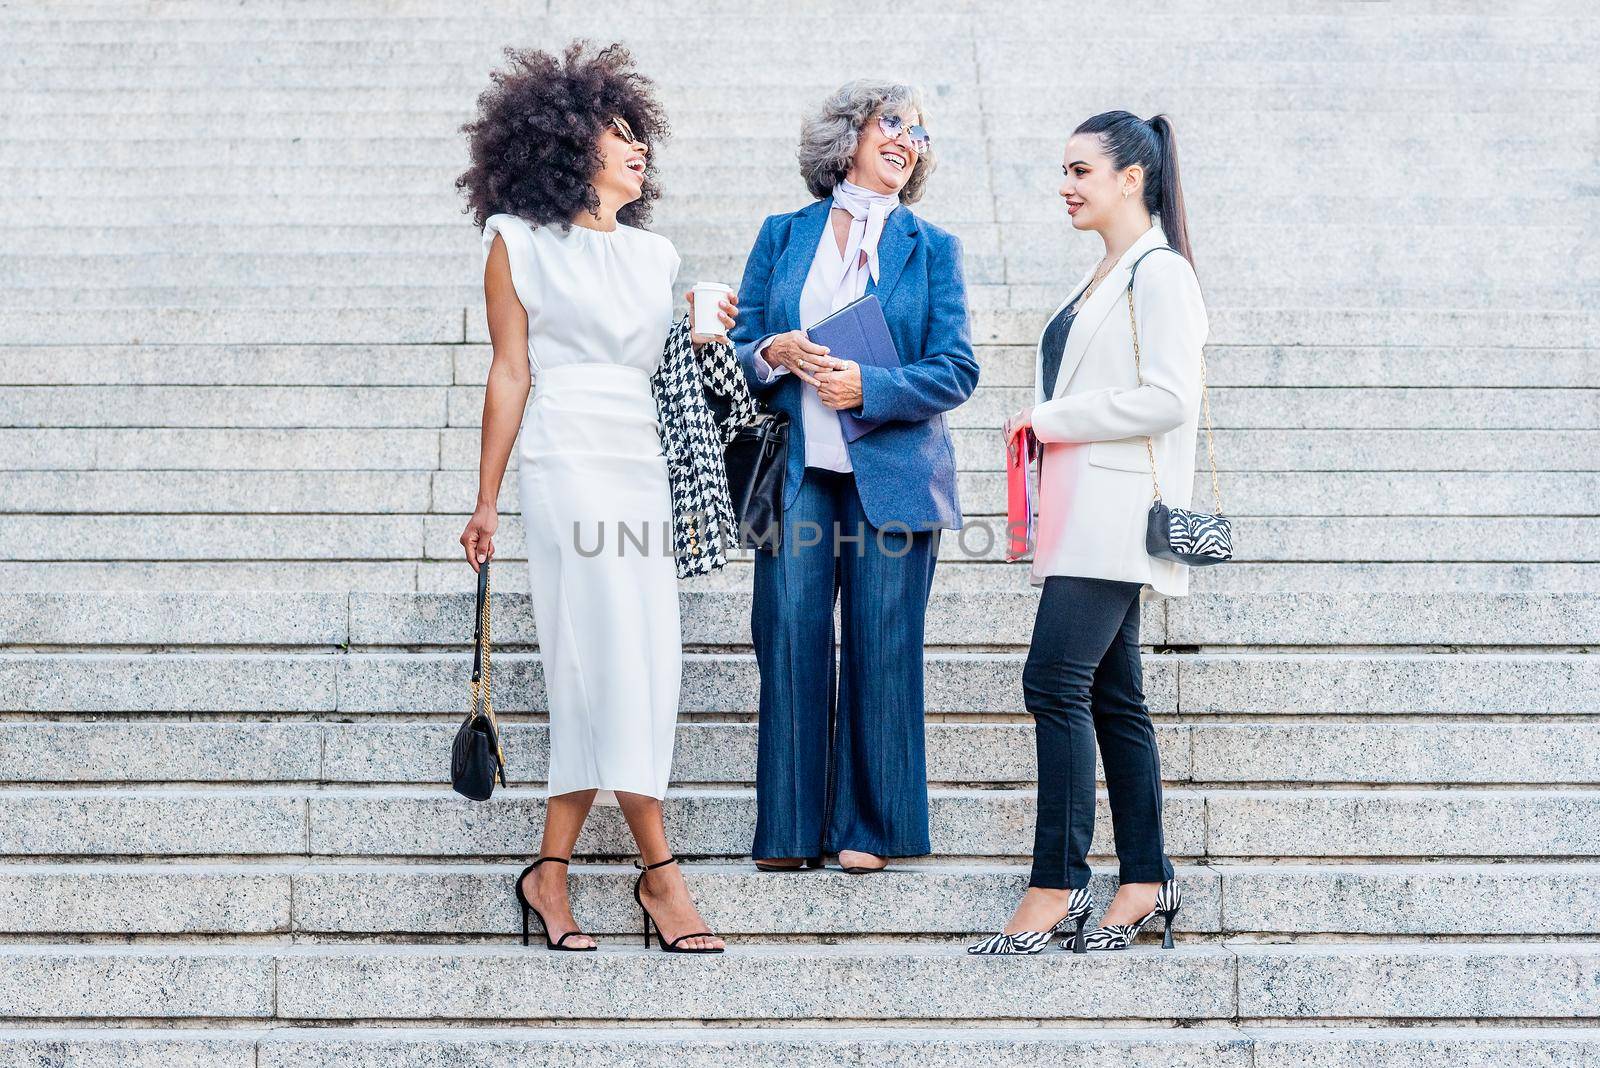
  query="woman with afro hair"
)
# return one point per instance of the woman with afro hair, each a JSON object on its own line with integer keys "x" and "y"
{"x": 579, "y": 299}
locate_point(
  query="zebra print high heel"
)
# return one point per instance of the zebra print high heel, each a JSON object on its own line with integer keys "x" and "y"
{"x": 1079, "y": 906}
{"x": 1121, "y": 935}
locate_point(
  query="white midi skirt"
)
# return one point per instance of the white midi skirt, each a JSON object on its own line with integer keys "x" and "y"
{"x": 593, "y": 482}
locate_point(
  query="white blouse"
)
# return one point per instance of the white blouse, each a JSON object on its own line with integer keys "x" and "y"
{"x": 625, "y": 276}
{"x": 830, "y": 284}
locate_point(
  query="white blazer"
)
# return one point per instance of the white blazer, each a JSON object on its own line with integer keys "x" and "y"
{"x": 1094, "y": 479}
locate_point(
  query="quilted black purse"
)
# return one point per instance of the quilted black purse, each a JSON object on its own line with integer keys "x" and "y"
{"x": 476, "y": 759}
{"x": 1194, "y": 538}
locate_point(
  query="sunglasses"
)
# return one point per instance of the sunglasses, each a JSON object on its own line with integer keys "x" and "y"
{"x": 620, "y": 125}
{"x": 892, "y": 125}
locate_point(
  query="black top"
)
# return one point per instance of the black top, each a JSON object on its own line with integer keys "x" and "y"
{"x": 1055, "y": 344}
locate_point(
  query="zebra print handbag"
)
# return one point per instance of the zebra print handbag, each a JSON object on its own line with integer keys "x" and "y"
{"x": 1198, "y": 539}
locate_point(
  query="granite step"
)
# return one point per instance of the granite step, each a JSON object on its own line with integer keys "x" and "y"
{"x": 991, "y": 326}
{"x": 1213, "y": 1046}
{"x": 1377, "y": 981}
{"x": 438, "y": 576}
{"x": 1292, "y": 408}
{"x": 326, "y": 900}
{"x": 79, "y": 495}
{"x": 1251, "y": 683}
{"x": 720, "y": 618}
{"x": 425, "y": 365}
{"x": 383, "y": 821}
{"x": 986, "y": 753}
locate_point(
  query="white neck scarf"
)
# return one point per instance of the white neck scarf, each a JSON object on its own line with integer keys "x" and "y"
{"x": 868, "y": 210}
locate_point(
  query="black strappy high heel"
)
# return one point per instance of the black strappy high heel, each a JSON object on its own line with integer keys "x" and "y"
{"x": 527, "y": 907}
{"x": 676, "y": 945}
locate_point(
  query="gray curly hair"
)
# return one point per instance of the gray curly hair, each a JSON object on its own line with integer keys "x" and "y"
{"x": 829, "y": 137}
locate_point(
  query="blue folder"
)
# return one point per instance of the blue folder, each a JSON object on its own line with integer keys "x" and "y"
{"x": 858, "y": 331}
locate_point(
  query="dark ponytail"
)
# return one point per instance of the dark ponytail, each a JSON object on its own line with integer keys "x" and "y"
{"x": 1151, "y": 144}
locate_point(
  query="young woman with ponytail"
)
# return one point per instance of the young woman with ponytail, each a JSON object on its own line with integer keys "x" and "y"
{"x": 1114, "y": 417}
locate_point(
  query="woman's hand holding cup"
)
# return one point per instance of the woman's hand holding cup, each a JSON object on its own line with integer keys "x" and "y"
{"x": 719, "y": 310}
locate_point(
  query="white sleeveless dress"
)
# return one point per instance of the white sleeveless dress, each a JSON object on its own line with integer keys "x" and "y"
{"x": 592, "y": 475}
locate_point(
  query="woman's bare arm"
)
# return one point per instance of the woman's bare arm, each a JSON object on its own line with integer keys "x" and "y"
{"x": 503, "y": 401}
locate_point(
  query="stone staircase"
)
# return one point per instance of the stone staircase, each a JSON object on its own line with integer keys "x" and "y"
{"x": 241, "y": 357}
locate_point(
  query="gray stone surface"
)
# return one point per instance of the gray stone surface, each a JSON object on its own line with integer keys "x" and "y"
{"x": 1463, "y": 1047}
{"x": 207, "y": 492}
{"x": 222, "y": 406}
{"x": 129, "y": 1048}
{"x": 143, "y": 899}
{"x": 1407, "y": 899}
{"x": 177, "y": 682}
{"x": 1397, "y": 753}
{"x": 1471, "y": 684}
{"x": 162, "y": 752}
{"x": 1413, "y": 618}
{"x": 747, "y": 1047}
{"x": 189, "y": 537}
{"x": 1528, "y": 980}
{"x": 1402, "y": 823}
{"x": 143, "y": 618}
{"x": 172, "y": 575}
{"x": 89, "y": 982}
{"x": 117, "y": 822}
{"x": 847, "y": 982}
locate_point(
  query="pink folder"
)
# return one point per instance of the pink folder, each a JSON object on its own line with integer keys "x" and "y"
{"x": 1021, "y": 449}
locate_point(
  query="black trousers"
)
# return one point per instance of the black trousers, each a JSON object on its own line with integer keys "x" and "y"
{"x": 1083, "y": 683}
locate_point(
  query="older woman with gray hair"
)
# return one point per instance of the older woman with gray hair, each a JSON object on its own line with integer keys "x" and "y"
{"x": 840, "y": 767}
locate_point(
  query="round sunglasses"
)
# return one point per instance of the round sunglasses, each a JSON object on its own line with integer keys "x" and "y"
{"x": 892, "y": 125}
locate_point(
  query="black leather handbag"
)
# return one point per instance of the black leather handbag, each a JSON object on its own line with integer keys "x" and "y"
{"x": 476, "y": 759}
{"x": 1198, "y": 539}
{"x": 757, "y": 458}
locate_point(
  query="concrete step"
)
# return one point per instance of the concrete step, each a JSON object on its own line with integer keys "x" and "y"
{"x": 959, "y": 569}
{"x": 413, "y": 822}
{"x": 1373, "y": 295}
{"x": 355, "y": 684}
{"x": 79, "y": 495}
{"x": 1292, "y": 408}
{"x": 1509, "y": 981}
{"x": 382, "y": 753}
{"x": 1013, "y": 365}
{"x": 744, "y": 1047}
{"x": 1216, "y": 1046}
{"x": 1004, "y": 62}
{"x": 719, "y": 618}
{"x": 991, "y": 326}
{"x": 688, "y": 206}
{"x": 457, "y": 448}
{"x": 1446, "y": 259}
{"x": 271, "y": 114}
{"x": 433, "y": 822}
{"x": 453, "y": 900}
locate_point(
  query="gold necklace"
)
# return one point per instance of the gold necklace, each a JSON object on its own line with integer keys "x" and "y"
{"x": 1100, "y": 273}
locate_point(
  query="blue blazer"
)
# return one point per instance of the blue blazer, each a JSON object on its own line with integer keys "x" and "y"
{"x": 905, "y": 469}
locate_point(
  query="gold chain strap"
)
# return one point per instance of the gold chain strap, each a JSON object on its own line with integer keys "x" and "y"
{"x": 479, "y": 688}
{"x": 1205, "y": 401}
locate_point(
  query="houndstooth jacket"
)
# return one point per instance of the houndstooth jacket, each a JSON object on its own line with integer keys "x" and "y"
{"x": 694, "y": 432}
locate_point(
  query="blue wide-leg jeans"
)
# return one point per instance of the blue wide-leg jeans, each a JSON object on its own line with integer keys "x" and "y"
{"x": 840, "y": 762}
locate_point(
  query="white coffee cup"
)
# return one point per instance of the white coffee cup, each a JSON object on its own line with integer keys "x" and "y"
{"x": 707, "y": 300}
